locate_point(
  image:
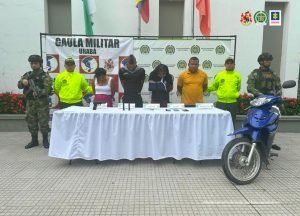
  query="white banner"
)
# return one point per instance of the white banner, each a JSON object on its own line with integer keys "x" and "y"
{"x": 176, "y": 54}
{"x": 88, "y": 53}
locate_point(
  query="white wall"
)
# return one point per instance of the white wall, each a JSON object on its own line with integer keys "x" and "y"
{"x": 225, "y": 20}
{"x": 21, "y": 24}
{"x": 114, "y": 17}
{"x": 291, "y": 46}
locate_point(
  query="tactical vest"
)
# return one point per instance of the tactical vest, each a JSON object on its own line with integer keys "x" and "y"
{"x": 38, "y": 79}
{"x": 265, "y": 82}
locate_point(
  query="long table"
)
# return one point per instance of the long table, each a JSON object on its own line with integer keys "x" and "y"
{"x": 112, "y": 133}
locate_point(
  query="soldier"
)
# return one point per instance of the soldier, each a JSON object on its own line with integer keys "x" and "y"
{"x": 263, "y": 80}
{"x": 37, "y": 86}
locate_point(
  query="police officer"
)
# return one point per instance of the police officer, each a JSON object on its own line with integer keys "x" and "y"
{"x": 69, "y": 85}
{"x": 227, "y": 84}
{"x": 37, "y": 86}
{"x": 263, "y": 80}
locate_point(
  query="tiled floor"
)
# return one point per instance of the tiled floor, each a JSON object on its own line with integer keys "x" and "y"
{"x": 31, "y": 183}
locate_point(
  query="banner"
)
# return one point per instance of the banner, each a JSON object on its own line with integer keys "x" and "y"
{"x": 88, "y": 53}
{"x": 176, "y": 54}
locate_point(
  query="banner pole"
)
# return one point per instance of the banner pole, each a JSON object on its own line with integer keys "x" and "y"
{"x": 41, "y": 45}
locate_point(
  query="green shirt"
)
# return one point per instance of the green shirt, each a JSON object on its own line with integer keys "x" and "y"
{"x": 227, "y": 84}
{"x": 70, "y": 86}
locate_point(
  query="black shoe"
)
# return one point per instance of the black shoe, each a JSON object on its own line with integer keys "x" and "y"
{"x": 45, "y": 141}
{"x": 34, "y": 142}
{"x": 276, "y": 147}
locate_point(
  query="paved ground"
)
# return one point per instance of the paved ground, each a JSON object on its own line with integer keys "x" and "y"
{"x": 31, "y": 183}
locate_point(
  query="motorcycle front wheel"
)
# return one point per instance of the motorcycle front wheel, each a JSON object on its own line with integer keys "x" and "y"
{"x": 234, "y": 161}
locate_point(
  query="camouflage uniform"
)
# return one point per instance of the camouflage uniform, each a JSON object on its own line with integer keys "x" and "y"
{"x": 263, "y": 82}
{"x": 37, "y": 106}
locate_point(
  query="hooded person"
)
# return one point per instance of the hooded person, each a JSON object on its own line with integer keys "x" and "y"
{"x": 160, "y": 84}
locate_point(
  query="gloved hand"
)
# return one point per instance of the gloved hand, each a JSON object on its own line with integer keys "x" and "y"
{"x": 87, "y": 98}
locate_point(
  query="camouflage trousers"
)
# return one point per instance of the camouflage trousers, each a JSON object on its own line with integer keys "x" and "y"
{"x": 37, "y": 115}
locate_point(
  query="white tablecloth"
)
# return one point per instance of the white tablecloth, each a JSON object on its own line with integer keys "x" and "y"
{"x": 78, "y": 132}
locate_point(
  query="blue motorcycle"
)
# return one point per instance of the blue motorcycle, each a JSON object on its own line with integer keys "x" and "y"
{"x": 242, "y": 157}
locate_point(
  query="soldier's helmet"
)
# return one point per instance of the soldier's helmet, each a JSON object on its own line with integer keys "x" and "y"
{"x": 35, "y": 58}
{"x": 264, "y": 57}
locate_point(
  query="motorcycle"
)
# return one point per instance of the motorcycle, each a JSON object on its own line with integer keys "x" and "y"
{"x": 242, "y": 157}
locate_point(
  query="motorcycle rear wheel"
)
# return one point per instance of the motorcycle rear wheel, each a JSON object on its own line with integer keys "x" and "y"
{"x": 234, "y": 164}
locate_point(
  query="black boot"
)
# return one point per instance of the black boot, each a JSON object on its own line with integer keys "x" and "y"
{"x": 276, "y": 147}
{"x": 34, "y": 142}
{"x": 45, "y": 140}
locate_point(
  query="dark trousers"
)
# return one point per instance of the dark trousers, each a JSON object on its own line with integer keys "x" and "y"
{"x": 231, "y": 107}
{"x": 133, "y": 98}
{"x": 63, "y": 105}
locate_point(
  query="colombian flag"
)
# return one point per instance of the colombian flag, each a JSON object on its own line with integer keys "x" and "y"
{"x": 143, "y": 6}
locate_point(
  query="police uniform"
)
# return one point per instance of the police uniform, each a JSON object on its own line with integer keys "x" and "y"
{"x": 70, "y": 86}
{"x": 263, "y": 82}
{"x": 227, "y": 84}
{"x": 37, "y": 106}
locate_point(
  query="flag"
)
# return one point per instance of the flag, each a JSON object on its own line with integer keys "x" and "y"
{"x": 143, "y": 7}
{"x": 89, "y": 8}
{"x": 204, "y": 16}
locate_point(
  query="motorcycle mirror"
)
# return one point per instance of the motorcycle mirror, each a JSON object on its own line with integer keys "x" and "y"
{"x": 289, "y": 84}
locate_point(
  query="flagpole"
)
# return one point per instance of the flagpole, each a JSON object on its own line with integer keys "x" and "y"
{"x": 193, "y": 19}
{"x": 139, "y": 25}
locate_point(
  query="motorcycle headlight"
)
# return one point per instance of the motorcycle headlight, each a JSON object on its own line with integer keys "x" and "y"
{"x": 259, "y": 101}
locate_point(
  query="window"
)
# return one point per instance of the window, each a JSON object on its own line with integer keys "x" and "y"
{"x": 171, "y": 17}
{"x": 59, "y": 16}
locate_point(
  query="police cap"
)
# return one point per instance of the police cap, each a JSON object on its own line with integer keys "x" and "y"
{"x": 69, "y": 61}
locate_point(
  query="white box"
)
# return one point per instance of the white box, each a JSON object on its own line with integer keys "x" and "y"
{"x": 151, "y": 106}
{"x": 175, "y": 105}
{"x": 126, "y": 106}
{"x": 204, "y": 105}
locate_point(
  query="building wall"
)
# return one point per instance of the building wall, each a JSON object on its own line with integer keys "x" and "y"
{"x": 290, "y": 46}
{"x": 20, "y": 35}
{"x": 21, "y": 24}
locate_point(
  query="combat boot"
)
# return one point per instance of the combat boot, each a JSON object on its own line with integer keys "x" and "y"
{"x": 34, "y": 142}
{"x": 45, "y": 140}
